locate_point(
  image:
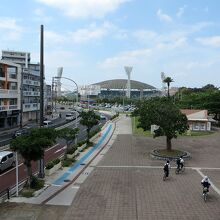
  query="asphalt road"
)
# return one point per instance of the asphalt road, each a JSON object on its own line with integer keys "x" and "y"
{"x": 7, "y": 178}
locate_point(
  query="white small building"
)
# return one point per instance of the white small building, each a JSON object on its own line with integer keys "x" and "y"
{"x": 197, "y": 119}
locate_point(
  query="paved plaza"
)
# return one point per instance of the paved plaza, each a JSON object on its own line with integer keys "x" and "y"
{"x": 127, "y": 184}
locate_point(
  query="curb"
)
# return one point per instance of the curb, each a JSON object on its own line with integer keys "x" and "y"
{"x": 154, "y": 154}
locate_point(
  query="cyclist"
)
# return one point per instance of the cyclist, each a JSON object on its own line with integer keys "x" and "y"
{"x": 166, "y": 168}
{"x": 205, "y": 183}
{"x": 180, "y": 163}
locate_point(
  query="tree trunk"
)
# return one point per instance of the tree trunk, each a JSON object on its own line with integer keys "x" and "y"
{"x": 169, "y": 145}
{"x": 88, "y": 132}
{"x": 29, "y": 172}
{"x": 168, "y": 91}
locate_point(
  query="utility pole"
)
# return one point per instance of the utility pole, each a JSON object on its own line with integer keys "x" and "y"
{"x": 41, "y": 162}
{"x": 21, "y": 97}
{"x": 52, "y": 95}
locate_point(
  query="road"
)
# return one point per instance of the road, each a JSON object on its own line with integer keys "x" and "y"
{"x": 7, "y": 179}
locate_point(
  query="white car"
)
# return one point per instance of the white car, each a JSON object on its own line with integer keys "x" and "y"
{"x": 47, "y": 124}
{"x": 7, "y": 159}
{"x": 102, "y": 117}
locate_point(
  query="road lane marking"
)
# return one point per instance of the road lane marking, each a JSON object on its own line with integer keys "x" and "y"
{"x": 63, "y": 148}
{"x": 10, "y": 169}
{"x": 52, "y": 147}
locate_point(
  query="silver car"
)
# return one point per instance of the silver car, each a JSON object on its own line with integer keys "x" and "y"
{"x": 7, "y": 160}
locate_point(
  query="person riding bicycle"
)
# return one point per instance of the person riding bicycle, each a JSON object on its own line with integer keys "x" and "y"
{"x": 205, "y": 183}
{"x": 166, "y": 168}
{"x": 180, "y": 163}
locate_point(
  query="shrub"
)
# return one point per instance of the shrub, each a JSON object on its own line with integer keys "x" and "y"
{"x": 49, "y": 165}
{"x": 67, "y": 162}
{"x": 56, "y": 161}
{"x": 27, "y": 193}
{"x": 71, "y": 150}
{"x": 36, "y": 183}
{"x": 114, "y": 116}
{"x": 92, "y": 133}
{"x": 81, "y": 143}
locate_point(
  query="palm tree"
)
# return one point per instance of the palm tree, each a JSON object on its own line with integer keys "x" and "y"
{"x": 31, "y": 147}
{"x": 168, "y": 80}
{"x": 89, "y": 119}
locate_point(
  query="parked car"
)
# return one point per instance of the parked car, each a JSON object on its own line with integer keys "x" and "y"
{"x": 102, "y": 117}
{"x": 7, "y": 160}
{"x": 47, "y": 124}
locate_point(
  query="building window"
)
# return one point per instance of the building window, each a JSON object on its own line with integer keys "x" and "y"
{"x": 12, "y": 72}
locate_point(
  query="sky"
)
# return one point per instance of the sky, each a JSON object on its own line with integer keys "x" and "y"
{"x": 93, "y": 40}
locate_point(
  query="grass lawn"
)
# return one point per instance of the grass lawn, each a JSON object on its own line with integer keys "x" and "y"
{"x": 139, "y": 131}
{"x": 197, "y": 133}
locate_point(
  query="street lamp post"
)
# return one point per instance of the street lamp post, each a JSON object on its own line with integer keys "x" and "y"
{"x": 62, "y": 77}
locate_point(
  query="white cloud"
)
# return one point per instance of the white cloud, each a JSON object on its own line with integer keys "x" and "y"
{"x": 181, "y": 11}
{"x": 125, "y": 58}
{"x": 163, "y": 17}
{"x": 9, "y": 23}
{"x": 85, "y": 8}
{"x": 87, "y": 34}
{"x": 210, "y": 41}
{"x": 41, "y": 16}
{"x": 91, "y": 33}
{"x": 12, "y": 31}
{"x": 53, "y": 37}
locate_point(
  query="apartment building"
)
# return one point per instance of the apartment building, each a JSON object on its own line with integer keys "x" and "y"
{"x": 10, "y": 94}
{"x": 30, "y": 81}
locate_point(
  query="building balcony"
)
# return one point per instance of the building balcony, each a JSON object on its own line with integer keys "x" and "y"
{"x": 12, "y": 77}
{"x": 8, "y": 94}
{"x": 31, "y": 82}
{"x": 28, "y": 107}
{"x": 8, "y": 107}
{"x": 2, "y": 78}
{"x": 31, "y": 93}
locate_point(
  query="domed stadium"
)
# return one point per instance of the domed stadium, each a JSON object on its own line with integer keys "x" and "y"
{"x": 118, "y": 87}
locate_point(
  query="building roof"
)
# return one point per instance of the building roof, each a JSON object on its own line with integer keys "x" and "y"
{"x": 195, "y": 114}
{"x": 122, "y": 84}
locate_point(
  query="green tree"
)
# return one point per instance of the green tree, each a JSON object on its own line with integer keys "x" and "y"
{"x": 207, "y": 97}
{"x": 163, "y": 113}
{"x": 69, "y": 135}
{"x": 31, "y": 147}
{"x": 89, "y": 119}
{"x": 168, "y": 80}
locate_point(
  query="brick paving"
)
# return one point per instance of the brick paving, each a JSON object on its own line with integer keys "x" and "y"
{"x": 139, "y": 193}
{"x": 131, "y": 193}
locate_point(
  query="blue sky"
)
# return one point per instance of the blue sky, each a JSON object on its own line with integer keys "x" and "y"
{"x": 94, "y": 39}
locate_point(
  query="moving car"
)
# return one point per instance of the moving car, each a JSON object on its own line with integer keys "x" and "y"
{"x": 21, "y": 131}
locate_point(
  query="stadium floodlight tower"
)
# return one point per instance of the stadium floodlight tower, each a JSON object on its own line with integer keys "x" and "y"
{"x": 128, "y": 70}
{"x": 58, "y": 83}
{"x": 163, "y": 77}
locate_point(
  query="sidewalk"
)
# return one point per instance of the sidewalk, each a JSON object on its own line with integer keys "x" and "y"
{"x": 65, "y": 183}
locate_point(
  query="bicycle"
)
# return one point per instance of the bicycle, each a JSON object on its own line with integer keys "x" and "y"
{"x": 180, "y": 170}
{"x": 205, "y": 193}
